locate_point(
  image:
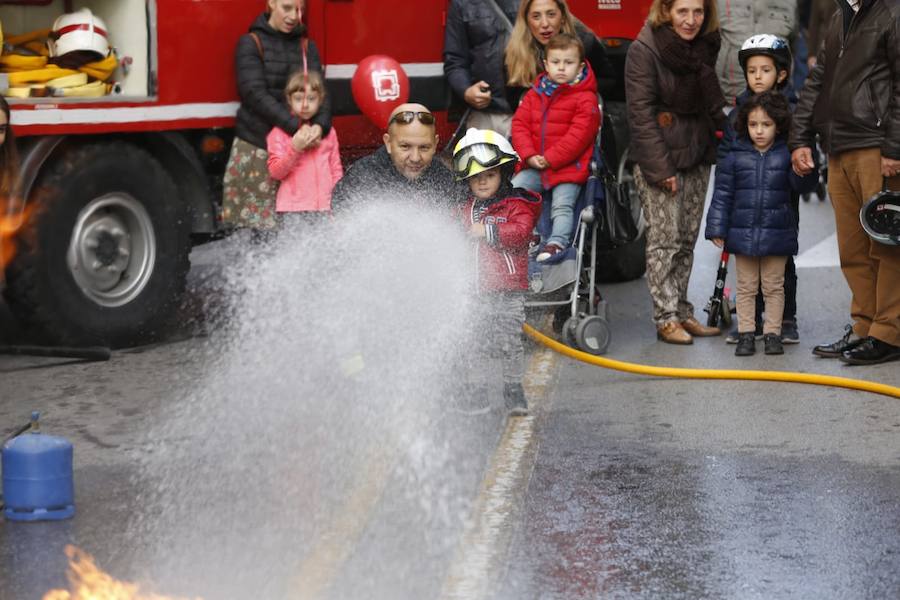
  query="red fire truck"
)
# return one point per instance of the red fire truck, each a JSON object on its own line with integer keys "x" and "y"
{"x": 119, "y": 188}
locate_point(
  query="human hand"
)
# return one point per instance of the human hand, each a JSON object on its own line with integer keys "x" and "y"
{"x": 537, "y": 162}
{"x": 802, "y": 161}
{"x": 889, "y": 167}
{"x": 477, "y": 230}
{"x": 811, "y": 62}
{"x": 478, "y": 95}
{"x": 316, "y": 134}
{"x": 302, "y": 139}
{"x": 719, "y": 242}
{"x": 670, "y": 184}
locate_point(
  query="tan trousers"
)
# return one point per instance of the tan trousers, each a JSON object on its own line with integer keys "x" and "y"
{"x": 753, "y": 272}
{"x": 872, "y": 269}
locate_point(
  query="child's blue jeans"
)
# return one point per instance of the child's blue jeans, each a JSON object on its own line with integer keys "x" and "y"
{"x": 562, "y": 207}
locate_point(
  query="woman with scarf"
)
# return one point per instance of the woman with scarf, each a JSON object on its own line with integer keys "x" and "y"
{"x": 674, "y": 109}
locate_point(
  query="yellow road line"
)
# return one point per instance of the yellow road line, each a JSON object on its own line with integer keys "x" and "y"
{"x": 482, "y": 552}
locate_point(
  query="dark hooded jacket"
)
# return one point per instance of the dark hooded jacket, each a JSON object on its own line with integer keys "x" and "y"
{"x": 262, "y": 77}
{"x": 852, "y": 96}
{"x": 751, "y": 207}
{"x": 374, "y": 177}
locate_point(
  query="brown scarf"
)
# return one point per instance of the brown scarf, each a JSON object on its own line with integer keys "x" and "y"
{"x": 694, "y": 64}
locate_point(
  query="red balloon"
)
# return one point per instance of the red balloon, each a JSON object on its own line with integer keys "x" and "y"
{"x": 379, "y": 86}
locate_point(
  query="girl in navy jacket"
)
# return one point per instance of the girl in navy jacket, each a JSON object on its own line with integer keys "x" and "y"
{"x": 750, "y": 214}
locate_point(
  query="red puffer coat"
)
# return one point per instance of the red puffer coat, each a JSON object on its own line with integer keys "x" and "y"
{"x": 502, "y": 256}
{"x": 561, "y": 127}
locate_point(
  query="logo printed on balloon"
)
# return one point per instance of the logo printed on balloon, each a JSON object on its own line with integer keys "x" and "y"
{"x": 386, "y": 84}
{"x": 379, "y": 86}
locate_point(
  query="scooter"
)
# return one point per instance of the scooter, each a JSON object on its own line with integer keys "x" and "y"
{"x": 719, "y": 306}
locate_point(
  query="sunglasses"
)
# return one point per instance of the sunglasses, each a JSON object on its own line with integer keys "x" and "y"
{"x": 406, "y": 117}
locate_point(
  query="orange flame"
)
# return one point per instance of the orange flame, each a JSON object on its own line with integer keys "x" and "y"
{"x": 87, "y": 582}
{"x": 11, "y": 225}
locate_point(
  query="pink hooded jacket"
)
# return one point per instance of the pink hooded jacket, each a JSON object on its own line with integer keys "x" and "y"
{"x": 307, "y": 177}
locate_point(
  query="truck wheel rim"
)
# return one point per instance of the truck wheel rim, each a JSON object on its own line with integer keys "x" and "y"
{"x": 113, "y": 249}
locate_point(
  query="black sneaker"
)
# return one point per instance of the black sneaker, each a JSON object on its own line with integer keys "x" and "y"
{"x": 871, "y": 351}
{"x": 835, "y": 349}
{"x": 746, "y": 345}
{"x": 790, "y": 333}
{"x": 734, "y": 335}
{"x": 514, "y": 399}
{"x": 773, "y": 344}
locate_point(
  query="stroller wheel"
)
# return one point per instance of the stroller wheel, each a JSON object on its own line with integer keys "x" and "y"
{"x": 592, "y": 335}
{"x": 726, "y": 312}
{"x": 568, "y": 331}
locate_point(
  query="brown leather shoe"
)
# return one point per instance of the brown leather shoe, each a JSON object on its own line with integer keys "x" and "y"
{"x": 697, "y": 329}
{"x": 673, "y": 333}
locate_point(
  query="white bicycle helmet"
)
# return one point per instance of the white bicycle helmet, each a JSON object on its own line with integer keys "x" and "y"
{"x": 880, "y": 217}
{"x": 767, "y": 44}
{"x": 79, "y": 30}
{"x": 480, "y": 150}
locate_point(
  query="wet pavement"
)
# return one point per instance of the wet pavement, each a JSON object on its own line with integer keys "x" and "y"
{"x": 633, "y": 487}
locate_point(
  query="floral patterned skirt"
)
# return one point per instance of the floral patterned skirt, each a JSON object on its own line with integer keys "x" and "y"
{"x": 248, "y": 198}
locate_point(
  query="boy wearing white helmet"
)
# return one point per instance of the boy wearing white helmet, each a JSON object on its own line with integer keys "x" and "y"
{"x": 500, "y": 219}
{"x": 766, "y": 61}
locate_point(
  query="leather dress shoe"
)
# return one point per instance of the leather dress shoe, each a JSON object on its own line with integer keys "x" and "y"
{"x": 834, "y": 350}
{"x": 672, "y": 332}
{"x": 697, "y": 329}
{"x": 871, "y": 351}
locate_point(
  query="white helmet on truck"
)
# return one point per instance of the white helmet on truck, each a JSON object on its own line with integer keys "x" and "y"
{"x": 79, "y": 30}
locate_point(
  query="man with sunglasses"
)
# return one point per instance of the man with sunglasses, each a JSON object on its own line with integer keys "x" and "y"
{"x": 404, "y": 168}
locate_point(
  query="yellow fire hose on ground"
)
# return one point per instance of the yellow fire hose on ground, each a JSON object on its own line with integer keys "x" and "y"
{"x": 785, "y": 376}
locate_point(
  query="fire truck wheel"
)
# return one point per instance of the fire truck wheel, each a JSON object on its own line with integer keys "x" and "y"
{"x": 106, "y": 257}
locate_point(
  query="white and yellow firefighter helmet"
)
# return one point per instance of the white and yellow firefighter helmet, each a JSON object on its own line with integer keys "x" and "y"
{"x": 480, "y": 150}
{"x": 79, "y": 30}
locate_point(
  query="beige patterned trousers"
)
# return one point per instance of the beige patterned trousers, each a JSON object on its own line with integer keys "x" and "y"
{"x": 673, "y": 221}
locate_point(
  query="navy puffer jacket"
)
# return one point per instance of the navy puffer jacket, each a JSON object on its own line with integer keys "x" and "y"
{"x": 751, "y": 207}
{"x": 261, "y": 78}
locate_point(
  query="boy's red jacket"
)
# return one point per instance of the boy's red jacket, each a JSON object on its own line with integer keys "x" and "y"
{"x": 502, "y": 256}
{"x": 561, "y": 127}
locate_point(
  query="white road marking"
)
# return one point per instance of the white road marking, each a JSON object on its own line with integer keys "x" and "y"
{"x": 823, "y": 254}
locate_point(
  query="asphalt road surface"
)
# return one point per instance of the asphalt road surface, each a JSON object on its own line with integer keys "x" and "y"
{"x": 616, "y": 486}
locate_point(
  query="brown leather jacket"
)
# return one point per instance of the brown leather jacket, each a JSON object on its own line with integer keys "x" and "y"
{"x": 852, "y": 96}
{"x": 662, "y": 141}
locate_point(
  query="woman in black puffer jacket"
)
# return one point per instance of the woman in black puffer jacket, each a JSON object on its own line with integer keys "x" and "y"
{"x": 275, "y": 47}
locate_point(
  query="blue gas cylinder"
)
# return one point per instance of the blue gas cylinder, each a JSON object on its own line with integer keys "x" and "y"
{"x": 37, "y": 477}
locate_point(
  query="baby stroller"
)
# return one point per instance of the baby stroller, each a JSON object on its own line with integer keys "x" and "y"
{"x": 567, "y": 281}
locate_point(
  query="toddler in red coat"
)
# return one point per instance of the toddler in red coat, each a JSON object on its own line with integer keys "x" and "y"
{"x": 553, "y": 131}
{"x": 500, "y": 219}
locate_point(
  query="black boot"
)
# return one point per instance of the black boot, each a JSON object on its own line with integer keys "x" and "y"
{"x": 514, "y": 399}
{"x": 773, "y": 344}
{"x": 835, "y": 349}
{"x": 746, "y": 345}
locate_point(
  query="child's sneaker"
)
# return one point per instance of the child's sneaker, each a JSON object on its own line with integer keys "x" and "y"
{"x": 734, "y": 335}
{"x": 789, "y": 332}
{"x": 773, "y": 344}
{"x": 550, "y": 250}
{"x": 746, "y": 345}
{"x": 514, "y": 399}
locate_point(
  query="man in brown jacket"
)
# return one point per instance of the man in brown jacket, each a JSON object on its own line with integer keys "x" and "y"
{"x": 852, "y": 100}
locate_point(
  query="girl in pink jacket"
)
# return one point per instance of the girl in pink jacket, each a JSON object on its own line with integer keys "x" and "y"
{"x": 307, "y": 171}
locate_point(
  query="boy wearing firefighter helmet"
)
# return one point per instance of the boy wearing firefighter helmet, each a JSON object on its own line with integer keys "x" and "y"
{"x": 499, "y": 218}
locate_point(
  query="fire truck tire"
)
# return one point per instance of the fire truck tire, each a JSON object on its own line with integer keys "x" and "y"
{"x": 106, "y": 256}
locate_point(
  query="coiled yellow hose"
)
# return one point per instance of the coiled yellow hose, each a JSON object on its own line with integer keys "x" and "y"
{"x": 786, "y": 376}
